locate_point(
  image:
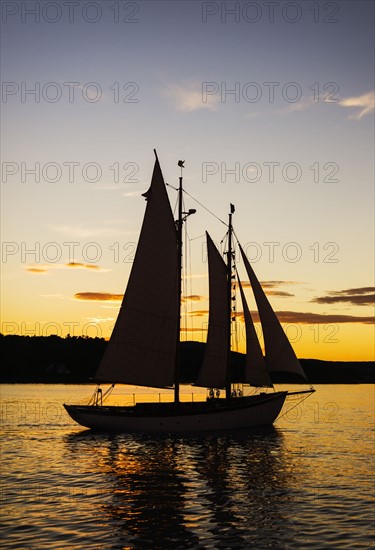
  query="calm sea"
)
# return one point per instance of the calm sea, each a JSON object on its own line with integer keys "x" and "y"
{"x": 306, "y": 483}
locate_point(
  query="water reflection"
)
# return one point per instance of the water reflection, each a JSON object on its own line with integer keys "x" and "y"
{"x": 189, "y": 492}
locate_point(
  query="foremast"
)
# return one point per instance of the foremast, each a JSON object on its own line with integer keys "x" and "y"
{"x": 182, "y": 216}
{"x": 179, "y": 288}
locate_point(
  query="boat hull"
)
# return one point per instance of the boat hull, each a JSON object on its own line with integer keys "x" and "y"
{"x": 215, "y": 414}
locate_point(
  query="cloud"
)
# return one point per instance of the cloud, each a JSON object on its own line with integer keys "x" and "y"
{"x": 307, "y": 318}
{"x": 194, "y": 276}
{"x": 188, "y": 97}
{"x": 82, "y": 266}
{"x": 361, "y": 290}
{"x": 365, "y": 103}
{"x": 364, "y": 296}
{"x": 98, "y": 320}
{"x": 315, "y": 318}
{"x": 132, "y": 194}
{"x": 279, "y": 293}
{"x": 98, "y": 296}
{"x": 300, "y": 317}
{"x": 198, "y": 313}
{"x": 360, "y": 300}
{"x": 302, "y": 105}
{"x": 194, "y": 298}
{"x": 75, "y": 265}
{"x": 270, "y": 284}
{"x": 37, "y": 270}
{"x": 193, "y": 329}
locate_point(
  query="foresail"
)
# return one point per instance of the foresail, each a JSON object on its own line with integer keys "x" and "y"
{"x": 255, "y": 367}
{"x": 142, "y": 347}
{"x": 214, "y": 366}
{"x": 279, "y": 354}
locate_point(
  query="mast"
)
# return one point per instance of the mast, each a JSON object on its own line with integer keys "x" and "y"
{"x": 179, "y": 288}
{"x": 182, "y": 216}
{"x": 229, "y": 304}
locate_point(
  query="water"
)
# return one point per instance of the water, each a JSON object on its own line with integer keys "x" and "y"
{"x": 306, "y": 483}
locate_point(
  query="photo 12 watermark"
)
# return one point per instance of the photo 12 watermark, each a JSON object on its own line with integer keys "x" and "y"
{"x": 311, "y": 333}
{"x": 69, "y": 171}
{"x": 72, "y": 11}
{"x": 269, "y": 172}
{"x": 69, "y": 92}
{"x": 270, "y": 92}
{"x": 270, "y": 11}
{"x": 85, "y": 254}
{"x": 90, "y": 329}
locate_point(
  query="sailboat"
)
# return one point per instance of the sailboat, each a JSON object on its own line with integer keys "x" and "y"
{"x": 144, "y": 348}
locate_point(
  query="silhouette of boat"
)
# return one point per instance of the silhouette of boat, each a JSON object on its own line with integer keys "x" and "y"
{"x": 144, "y": 346}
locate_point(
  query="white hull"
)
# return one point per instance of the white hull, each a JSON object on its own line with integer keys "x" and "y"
{"x": 216, "y": 414}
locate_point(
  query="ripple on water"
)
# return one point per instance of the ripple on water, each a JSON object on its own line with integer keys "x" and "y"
{"x": 296, "y": 486}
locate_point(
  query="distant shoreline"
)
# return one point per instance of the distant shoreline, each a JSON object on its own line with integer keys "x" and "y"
{"x": 74, "y": 360}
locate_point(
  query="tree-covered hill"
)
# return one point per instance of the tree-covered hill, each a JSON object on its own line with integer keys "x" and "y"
{"x": 74, "y": 359}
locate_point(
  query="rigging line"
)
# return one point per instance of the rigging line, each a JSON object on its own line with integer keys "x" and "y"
{"x": 169, "y": 185}
{"x": 188, "y": 289}
{"x": 224, "y": 242}
{"x": 188, "y": 284}
{"x": 183, "y": 285}
{"x": 234, "y": 233}
{"x": 175, "y": 209}
{"x": 197, "y": 201}
{"x": 293, "y": 406}
{"x": 184, "y": 290}
{"x": 202, "y": 205}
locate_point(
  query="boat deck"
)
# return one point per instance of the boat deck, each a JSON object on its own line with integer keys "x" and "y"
{"x": 211, "y": 405}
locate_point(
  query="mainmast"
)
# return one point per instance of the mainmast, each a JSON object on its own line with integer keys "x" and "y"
{"x": 229, "y": 303}
{"x": 182, "y": 216}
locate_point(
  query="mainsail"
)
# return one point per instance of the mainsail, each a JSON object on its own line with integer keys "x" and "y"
{"x": 255, "y": 366}
{"x": 142, "y": 347}
{"x": 214, "y": 367}
{"x": 279, "y": 354}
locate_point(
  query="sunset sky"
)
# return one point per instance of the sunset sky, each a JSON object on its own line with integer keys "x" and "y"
{"x": 270, "y": 104}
